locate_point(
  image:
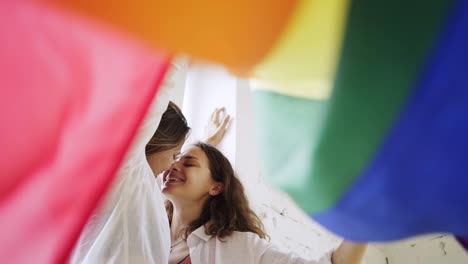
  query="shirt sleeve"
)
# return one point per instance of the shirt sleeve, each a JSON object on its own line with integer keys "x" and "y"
{"x": 131, "y": 225}
{"x": 266, "y": 252}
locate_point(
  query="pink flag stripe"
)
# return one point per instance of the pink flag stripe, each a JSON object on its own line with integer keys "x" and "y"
{"x": 72, "y": 97}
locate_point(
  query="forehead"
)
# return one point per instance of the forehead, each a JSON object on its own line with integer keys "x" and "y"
{"x": 194, "y": 152}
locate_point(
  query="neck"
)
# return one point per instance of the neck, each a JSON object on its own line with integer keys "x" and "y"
{"x": 182, "y": 215}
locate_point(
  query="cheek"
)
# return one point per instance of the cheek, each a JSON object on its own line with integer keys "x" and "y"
{"x": 193, "y": 190}
{"x": 168, "y": 162}
{"x": 199, "y": 185}
{"x": 160, "y": 163}
{"x": 153, "y": 165}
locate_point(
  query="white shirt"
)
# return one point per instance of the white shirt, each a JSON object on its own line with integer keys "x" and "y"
{"x": 240, "y": 248}
{"x": 131, "y": 225}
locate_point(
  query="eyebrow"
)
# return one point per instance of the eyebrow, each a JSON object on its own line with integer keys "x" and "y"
{"x": 190, "y": 157}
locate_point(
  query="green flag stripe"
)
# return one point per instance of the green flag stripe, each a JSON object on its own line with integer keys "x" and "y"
{"x": 329, "y": 143}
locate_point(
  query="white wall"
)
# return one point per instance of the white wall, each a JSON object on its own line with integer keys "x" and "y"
{"x": 210, "y": 86}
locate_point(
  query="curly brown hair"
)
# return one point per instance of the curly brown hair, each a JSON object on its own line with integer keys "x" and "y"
{"x": 228, "y": 211}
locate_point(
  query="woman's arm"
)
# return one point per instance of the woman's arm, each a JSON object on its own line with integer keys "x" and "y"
{"x": 349, "y": 253}
{"x": 217, "y": 126}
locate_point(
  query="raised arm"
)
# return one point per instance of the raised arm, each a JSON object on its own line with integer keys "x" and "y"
{"x": 349, "y": 253}
{"x": 217, "y": 126}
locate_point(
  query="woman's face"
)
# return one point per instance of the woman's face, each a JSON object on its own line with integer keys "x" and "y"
{"x": 189, "y": 179}
{"x": 162, "y": 161}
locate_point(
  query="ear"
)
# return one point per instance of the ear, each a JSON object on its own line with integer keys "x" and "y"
{"x": 216, "y": 189}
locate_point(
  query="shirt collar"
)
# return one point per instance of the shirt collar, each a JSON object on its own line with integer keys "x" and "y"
{"x": 200, "y": 233}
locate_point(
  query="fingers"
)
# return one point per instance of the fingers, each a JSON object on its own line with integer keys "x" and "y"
{"x": 217, "y": 126}
{"x": 222, "y": 128}
{"x": 226, "y": 122}
{"x": 213, "y": 114}
{"x": 216, "y": 115}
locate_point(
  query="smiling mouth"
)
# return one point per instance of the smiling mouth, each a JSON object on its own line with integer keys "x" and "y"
{"x": 171, "y": 179}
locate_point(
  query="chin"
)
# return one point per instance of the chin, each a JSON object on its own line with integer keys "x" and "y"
{"x": 171, "y": 193}
{"x": 168, "y": 191}
{"x": 165, "y": 190}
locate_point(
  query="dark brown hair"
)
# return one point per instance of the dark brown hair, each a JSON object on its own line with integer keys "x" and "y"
{"x": 172, "y": 130}
{"x": 228, "y": 211}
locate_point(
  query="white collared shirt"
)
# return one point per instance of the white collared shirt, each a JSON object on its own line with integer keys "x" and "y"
{"x": 240, "y": 248}
{"x": 131, "y": 225}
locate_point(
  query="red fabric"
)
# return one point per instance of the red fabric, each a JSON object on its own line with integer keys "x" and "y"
{"x": 186, "y": 260}
{"x": 72, "y": 96}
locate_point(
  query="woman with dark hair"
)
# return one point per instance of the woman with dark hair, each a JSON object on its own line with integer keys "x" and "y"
{"x": 211, "y": 221}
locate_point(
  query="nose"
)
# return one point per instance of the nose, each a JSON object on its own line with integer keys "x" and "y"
{"x": 176, "y": 165}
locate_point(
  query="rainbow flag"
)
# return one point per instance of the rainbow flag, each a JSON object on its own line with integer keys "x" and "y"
{"x": 372, "y": 142}
{"x": 361, "y": 107}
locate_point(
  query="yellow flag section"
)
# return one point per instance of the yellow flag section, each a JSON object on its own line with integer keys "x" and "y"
{"x": 304, "y": 60}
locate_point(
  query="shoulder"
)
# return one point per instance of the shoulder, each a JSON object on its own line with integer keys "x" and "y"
{"x": 245, "y": 241}
{"x": 245, "y": 237}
